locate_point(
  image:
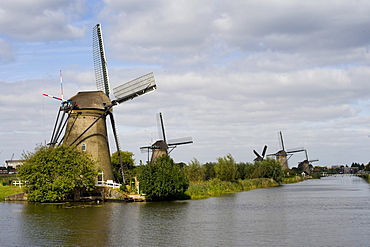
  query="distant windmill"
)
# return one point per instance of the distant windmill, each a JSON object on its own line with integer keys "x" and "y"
{"x": 284, "y": 155}
{"x": 161, "y": 146}
{"x": 305, "y": 166}
{"x": 85, "y": 126}
{"x": 262, "y": 156}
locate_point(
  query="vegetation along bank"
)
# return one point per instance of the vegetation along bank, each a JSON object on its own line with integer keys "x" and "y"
{"x": 52, "y": 177}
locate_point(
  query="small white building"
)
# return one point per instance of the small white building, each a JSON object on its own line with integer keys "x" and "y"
{"x": 13, "y": 163}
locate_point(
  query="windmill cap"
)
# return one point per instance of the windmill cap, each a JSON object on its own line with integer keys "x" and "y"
{"x": 91, "y": 100}
{"x": 159, "y": 145}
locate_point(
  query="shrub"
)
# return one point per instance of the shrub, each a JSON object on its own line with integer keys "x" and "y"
{"x": 162, "y": 179}
{"x": 51, "y": 174}
{"x": 226, "y": 168}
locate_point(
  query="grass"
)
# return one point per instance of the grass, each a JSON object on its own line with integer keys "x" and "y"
{"x": 295, "y": 179}
{"x": 8, "y": 191}
{"x": 216, "y": 187}
{"x": 366, "y": 177}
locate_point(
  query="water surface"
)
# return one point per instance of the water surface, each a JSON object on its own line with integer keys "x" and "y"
{"x": 333, "y": 211}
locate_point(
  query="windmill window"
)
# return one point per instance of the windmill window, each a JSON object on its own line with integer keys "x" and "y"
{"x": 83, "y": 147}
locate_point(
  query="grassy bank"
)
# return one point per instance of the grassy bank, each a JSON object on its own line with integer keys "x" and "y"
{"x": 294, "y": 179}
{"x": 8, "y": 190}
{"x": 366, "y": 177}
{"x": 216, "y": 187}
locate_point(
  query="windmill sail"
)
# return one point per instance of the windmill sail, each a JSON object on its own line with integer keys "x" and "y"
{"x": 100, "y": 63}
{"x": 180, "y": 141}
{"x": 262, "y": 156}
{"x": 135, "y": 88}
{"x": 160, "y": 124}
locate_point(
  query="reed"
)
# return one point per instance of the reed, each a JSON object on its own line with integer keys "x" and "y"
{"x": 295, "y": 179}
{"x": 216, "y": 187}
{"x": 366, "y": 177}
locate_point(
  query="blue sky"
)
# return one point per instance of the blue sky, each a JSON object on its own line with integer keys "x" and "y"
{"x": 229, "y": 74}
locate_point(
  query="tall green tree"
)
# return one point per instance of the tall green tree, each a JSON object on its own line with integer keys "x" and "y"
{"x": 226, "y": 169}
{"x": 54, "y": 173}
{"x": 128, "y": 163}
{"x": 195, "y": 171}
{"x": 162, "y": 179}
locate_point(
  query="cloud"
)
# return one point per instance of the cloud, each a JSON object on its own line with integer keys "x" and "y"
{"x": 42, "y": 20}
{"x": 229, "y": 74}
{"x": 6, "y": 52}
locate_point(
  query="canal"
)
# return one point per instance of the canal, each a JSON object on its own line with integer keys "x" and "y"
{"x": 332, "y": 211}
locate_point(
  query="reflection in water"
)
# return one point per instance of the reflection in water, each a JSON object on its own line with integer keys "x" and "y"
{"x": 332, "y": 211}
{"x": 63, "y": 224}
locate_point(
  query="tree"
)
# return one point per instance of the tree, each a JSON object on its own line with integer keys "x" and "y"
{"x": 210, "y": 170}
{"x": 51, "y": 174}
{"x": 268, "y": 168}
{"x": 367, "y": 167}
{"x": 195, "y": 171}
{"x": 226, "y": 169}
{"x": 127, "y": 161}
{"x": 162, "y": 179}
{"x": 244, "y": 170}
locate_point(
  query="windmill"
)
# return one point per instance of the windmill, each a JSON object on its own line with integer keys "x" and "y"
{"x": 284, "y": 155}
{"x": 258, "y": 156}
{"x": 305, "y": 166}
{"x": 162, "y": 146}
{"x": 86, "y": 112}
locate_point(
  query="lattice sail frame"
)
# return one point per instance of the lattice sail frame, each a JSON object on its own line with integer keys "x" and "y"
{"x": 100, "y": 63}
{"x": 135, "y": 88}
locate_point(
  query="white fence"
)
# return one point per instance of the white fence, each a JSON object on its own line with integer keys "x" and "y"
{"x": 20, "y": 183}
{"x": 108, "y": 183}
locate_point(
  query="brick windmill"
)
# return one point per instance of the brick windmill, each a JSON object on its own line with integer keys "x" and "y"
{"x": 162, "y": 146}
{"x": 86, "y": 112}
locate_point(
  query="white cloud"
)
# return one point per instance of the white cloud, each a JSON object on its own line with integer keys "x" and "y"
{"x": 42, "y": 20}
{"x": 229, "y": 74}
{"x": 6, "y": 52}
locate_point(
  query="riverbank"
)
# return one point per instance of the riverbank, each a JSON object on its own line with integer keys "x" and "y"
{"x": 216, "y": 187}
{"x": 366, "y": 177}
{"x": 200, "y": 190}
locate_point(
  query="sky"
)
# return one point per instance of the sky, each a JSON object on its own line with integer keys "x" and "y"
{"x": 229, "y": 74}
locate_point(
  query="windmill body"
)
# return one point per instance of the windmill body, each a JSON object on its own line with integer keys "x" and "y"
{"x": 159, "y": 148}
{"x": 281, "y": 157}
{"x": 87, "y": 129}
{"x": 306, "y": 165}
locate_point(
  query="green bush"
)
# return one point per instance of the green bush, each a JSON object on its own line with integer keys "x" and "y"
{"x": 54, "y": 173}
{"x": 162, "y": 179}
